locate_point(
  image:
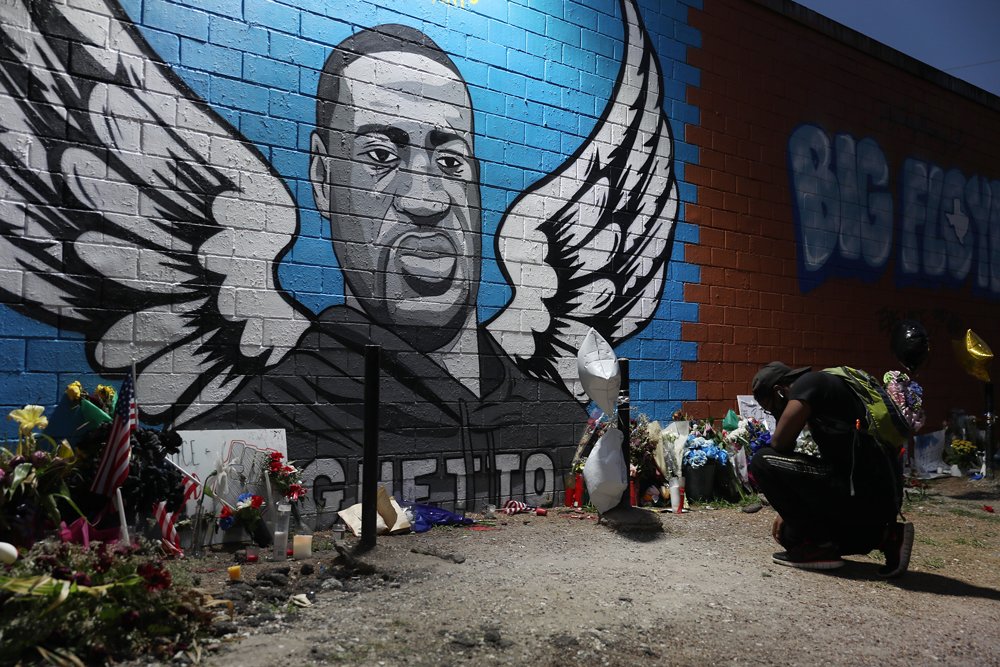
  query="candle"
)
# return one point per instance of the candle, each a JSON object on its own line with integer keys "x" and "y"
{"x": 252, "y": 558}
{"x": 302, "y": 546}
{"x": 280, "y": 544}
{"x": 234, "y": 573}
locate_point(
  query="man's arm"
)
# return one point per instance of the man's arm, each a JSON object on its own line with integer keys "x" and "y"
{"x": 793, "y": 420}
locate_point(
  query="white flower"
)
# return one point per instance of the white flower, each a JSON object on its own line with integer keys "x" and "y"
{"x": 220, "y": 483}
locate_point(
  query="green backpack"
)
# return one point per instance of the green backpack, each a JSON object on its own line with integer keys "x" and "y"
{"x": 886, "y": 423}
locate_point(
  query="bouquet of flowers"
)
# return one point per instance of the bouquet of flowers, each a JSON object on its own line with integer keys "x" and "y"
{"x": 908, "y": 396}
{"x": 96, "y": 407}
{"x": 34, "y": 483}
{"x": 962, "y": 453}
{"x": 673, "y": 440}
{"x": 751, "y": 434}
{"x": 248, "y": 511}
{"x": 699, "y": 450}
{"x": 804, "y": 444}
{"x": 285, "y": 477}
{"x": 642, "y": 450}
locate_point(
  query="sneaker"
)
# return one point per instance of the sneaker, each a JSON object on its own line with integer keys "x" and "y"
{"x": 897, "y": 546}
{"x": 809, "y": 557}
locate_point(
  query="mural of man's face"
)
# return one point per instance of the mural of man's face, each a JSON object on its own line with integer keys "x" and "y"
{"x": 397, "y": 177}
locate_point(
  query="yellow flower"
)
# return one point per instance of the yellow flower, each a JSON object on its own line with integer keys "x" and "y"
{"x": 105, "y": 393}
{"x": 74, "y": 391}
{"x": 29, "y": 418}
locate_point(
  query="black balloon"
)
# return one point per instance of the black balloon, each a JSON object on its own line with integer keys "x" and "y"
{"x": 910, "y": 343}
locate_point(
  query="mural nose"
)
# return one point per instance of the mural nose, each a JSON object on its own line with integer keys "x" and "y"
{"x": 421, "y": 196}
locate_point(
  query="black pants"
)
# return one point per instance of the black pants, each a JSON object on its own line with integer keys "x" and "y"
{"x": 816, "y": 503}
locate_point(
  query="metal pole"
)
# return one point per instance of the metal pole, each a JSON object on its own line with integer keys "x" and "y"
{"x": 990, "y": 448}
{"x": 625, "y": 424}
{"x": 369, "y": 479}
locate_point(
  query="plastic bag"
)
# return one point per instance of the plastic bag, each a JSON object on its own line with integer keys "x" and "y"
{"x": 731, "y": 421}
{"x": 425, "y": 517}
{"x": 605, "y": 471}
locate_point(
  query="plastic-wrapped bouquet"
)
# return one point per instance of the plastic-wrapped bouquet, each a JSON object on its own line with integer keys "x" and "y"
{"x": 699, "y": 450}
{"x": 285, "y": 477}
{"x": 908, "y": 396}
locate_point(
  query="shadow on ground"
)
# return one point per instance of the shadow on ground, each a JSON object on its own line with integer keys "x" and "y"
{"x": 918, "y": 582}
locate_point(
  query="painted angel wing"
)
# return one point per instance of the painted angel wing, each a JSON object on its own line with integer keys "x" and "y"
{"x": 132, "y": 213}
{"x": 588, "y": 245}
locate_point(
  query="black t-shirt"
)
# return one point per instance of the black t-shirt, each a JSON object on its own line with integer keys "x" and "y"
{"x": 857, "y": 461}
{"x": 833, "y": 410}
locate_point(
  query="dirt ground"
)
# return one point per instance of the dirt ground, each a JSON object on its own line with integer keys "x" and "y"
{"x": 564, "y": 589}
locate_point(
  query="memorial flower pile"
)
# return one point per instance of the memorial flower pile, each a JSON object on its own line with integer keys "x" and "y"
{"x": 34, "y": 490}
{"x": 72, "y": 605}
{"x": 285, "y": 477}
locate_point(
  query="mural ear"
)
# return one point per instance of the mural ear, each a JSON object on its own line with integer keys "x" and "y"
{"x": 319, "y": 173}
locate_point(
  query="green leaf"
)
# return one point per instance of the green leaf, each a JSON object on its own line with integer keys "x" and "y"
{"x": 64, "y": 494}
{"x": 21, "y": 473}
{"x": 50, "y": 507}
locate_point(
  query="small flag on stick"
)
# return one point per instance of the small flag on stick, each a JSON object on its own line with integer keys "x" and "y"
{"x": 168, "y": 520}
{"x": 112, "y": 471}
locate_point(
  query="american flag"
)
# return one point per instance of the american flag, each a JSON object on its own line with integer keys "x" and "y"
{"x": 114, "y": 466}
{"x": 516, "y": 507}
{"x": 167, "y": 520}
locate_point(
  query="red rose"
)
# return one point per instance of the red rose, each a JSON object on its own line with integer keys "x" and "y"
{"x": 256, "y": 502}
{"x": 226, "y": 512}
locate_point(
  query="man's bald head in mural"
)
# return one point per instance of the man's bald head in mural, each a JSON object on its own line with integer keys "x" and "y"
{"x": 394, "y": 171}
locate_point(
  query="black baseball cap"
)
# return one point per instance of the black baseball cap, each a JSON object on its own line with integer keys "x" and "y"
{"x": 772, "y": 374}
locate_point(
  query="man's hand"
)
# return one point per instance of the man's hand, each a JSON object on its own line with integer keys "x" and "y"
{"x": 793, "y": 420}
{"x": 776, "y": 529}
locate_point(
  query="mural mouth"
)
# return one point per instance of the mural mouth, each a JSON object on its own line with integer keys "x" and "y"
{"x": 428, "y": 262}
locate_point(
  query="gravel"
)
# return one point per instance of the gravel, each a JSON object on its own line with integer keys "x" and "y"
{"x": 565, "y": 589}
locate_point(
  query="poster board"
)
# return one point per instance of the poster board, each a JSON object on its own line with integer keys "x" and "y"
{"x": 245, "y": 455}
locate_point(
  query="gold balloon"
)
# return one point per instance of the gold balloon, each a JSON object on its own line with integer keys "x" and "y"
{"x": 974, "y": 355}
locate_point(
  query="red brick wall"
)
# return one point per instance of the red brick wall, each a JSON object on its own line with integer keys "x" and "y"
{"x": 763, "y": 74}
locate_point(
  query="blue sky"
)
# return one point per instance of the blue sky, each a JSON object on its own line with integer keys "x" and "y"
{"x": 960, "y": 37}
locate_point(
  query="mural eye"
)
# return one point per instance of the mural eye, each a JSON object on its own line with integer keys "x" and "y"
{"x": 450, "y": 162}
{"x": 382, "y": 156}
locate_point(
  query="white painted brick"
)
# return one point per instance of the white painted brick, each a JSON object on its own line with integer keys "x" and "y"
{"x": 113, "y": 262}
